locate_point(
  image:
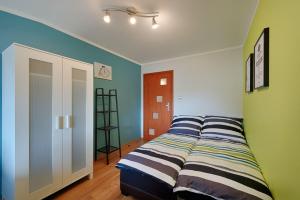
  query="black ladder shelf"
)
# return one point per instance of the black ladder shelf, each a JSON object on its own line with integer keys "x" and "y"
{"x": 106, "y": 115}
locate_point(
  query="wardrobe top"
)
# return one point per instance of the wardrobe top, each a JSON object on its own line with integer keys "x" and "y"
{"x": 35, "y": 49}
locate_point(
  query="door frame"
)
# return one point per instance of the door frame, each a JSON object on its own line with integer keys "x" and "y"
{"x": 143, "y": 93}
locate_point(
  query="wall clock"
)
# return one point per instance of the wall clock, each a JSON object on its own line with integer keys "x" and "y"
{"x": 102, "y": 71}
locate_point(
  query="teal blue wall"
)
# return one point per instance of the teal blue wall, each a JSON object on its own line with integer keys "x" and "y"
{"x": 126, "y": 74}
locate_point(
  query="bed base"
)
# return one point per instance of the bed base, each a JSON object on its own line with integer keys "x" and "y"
{"x": 143, "y": 186}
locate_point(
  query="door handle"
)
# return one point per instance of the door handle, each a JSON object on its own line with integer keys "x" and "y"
{"x": 69, "y": 121}
{"x": 168, "y": 106}
{"x": 59, "y": 122}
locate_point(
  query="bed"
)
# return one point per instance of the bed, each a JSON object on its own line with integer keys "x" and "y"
{"x": 179, "y": 165}
{"x": 150, "y": 172}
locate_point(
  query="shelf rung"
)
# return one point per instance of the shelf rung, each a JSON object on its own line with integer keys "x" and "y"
{"x": 106, "y": 95}
{"x": 106, "y": 111}
{"x": 107, "y": 128}
{"x": 110, "y": 149}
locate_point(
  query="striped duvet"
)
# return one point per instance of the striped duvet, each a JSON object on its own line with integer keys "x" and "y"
{"x": 222, "y": 169}
{"x": 161, "y": 158}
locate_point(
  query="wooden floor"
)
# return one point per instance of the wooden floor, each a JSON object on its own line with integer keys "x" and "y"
{"x": 105, "y": 184}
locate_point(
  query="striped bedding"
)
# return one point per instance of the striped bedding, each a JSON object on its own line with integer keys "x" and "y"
{"x": 186, "y": 125}
{"x": 223, "y": 127}
{"x": 222, "y": 169}
{"x": 161, "y": 158}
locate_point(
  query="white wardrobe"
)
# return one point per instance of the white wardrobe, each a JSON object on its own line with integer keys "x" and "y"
{"x": 47, "y": 122}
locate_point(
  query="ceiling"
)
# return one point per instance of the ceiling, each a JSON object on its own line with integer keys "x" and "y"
{"x": 186, "y": 26}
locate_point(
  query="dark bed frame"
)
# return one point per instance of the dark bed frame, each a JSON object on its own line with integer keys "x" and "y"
{"x": 146, "y": 187}
{"x": 143, "y": 186}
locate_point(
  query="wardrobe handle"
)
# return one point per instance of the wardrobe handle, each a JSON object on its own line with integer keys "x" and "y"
{"x": 59, "y": 122}
{"x": 68, "y": 121}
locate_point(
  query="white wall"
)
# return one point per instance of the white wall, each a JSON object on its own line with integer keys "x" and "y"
{"x": 210, "y": 83}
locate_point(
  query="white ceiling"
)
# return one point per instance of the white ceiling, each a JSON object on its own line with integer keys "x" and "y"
{"x": 186, "y": 26}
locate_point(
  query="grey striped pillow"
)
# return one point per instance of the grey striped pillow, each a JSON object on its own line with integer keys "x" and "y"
{"x": 223, "y": 128}
{"x": 187, "y": 125}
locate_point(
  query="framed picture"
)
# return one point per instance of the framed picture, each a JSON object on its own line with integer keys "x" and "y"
{"x": 261, "y": 60}
{"x": 102, "y": 71}
{"x": 249, "y": 73}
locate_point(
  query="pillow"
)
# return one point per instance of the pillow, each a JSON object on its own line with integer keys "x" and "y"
{"x": 187, "y": 125}
{"x": 220, "y": 127}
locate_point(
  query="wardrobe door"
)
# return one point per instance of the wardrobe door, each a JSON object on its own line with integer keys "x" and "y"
{"x": 78, "y": 113}
{"x": 38, "y": 96}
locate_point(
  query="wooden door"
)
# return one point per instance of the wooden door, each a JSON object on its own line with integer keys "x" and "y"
{"x": 158, "y": 103}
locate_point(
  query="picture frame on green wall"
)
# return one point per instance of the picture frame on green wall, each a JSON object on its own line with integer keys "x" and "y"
{"x": 249, "y": 73}
{"x": 261, "y": 60}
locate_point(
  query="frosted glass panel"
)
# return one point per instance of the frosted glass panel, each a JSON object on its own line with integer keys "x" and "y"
{"x": 40, "y": 124}
{"x": 163, "y": 81}
{"x": 155, "y": 115}
{"x": 159, "y": 99}
{"x": 79, "y": 120}
{"x": 151, "y": 131}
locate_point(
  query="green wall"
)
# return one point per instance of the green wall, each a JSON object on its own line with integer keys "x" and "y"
{"x": 126, "y": 74}
{"x": 272, "y": 114}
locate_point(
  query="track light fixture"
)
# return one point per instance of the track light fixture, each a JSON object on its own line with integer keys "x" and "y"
{"x": 132, "y": 13}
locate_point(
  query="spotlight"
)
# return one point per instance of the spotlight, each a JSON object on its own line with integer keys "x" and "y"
{"x": 155, "y": 25}
{"x": 132, "y": 20}
{"x": 106, "y": 17}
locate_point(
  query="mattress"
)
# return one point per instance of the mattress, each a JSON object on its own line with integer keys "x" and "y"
{"x": 161, "y": 158}
{"x": 222, "y": 169}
